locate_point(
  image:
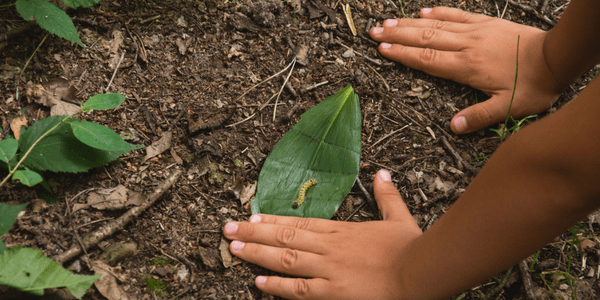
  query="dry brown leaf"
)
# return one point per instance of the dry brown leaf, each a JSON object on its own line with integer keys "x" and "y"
{"x": 247, "y": 193}
{"x": 54, "y": 94}
{"x": 64, "y": 109}
{"x": 114, "y": 198}
{"x": 15, "y": 125}
{"x": 159, "y": 146}
{"x": 226, "y": 256}
{"x": 107, "y": 284}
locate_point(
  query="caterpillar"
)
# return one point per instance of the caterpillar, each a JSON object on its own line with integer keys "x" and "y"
{"x": 302, "y": 192}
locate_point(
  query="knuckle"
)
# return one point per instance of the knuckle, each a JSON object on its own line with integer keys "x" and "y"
{"x": 427, "y": 35}
{"x": 285, "y": 236}
{"x": 303, "y": 223}
{"x": 427, "y": 56}
{"x": 301, "y": 288}
{"x": 439, "y": 24}
{"x": 288, "y": 259}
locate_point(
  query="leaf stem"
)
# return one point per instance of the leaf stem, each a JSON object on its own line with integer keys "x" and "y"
{"x": 504, "y": 130}
{"x": 16, "y": 168}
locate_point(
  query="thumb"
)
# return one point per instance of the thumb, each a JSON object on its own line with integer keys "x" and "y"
{"x": 479, "y": 116}
{"x": 388, "y": 198}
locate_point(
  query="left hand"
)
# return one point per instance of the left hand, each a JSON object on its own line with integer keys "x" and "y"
{"x": 334, "y": 260}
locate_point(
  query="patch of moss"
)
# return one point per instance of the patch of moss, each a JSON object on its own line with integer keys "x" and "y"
{"x": 160, "y": 261}
{"x": 156, "y": 285}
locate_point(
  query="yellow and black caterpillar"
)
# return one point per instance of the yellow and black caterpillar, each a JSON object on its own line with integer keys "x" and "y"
{"x": 302, "y": 192}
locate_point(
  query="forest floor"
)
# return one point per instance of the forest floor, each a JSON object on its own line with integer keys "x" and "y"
{"x": 185, "y": 66}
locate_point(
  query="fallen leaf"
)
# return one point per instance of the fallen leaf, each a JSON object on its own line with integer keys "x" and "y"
{"x": 64, "y": 109}
{"x": 55, "y": 94}
{"x": 159, "y": 146}
{"x": 114, "y": 198}
{"x": 247, "y": 193}
{"x": 15, "y": 125}
{"x": 226, "y": 256}
{"x": 107, "y": 284}
{"x": 117, "y": 252}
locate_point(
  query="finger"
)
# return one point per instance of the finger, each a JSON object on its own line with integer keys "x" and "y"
{"x": 479, "y": 116}
{"x": 293, "y": 288}
{"x": 310, "y": 224}
{"x": 420, "y": 37}
{"x": 428, "y": 23}
{"x": 443, "y": 64}
{"x": 388, "y": 198}
{"x": 451, "y": 15}
{"x": 283, "y": 260}
{"x": 274, "y": 235}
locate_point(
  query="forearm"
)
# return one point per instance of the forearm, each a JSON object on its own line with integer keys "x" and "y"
{"x": 572, "y": 47}
{"x": 537, "y": 184}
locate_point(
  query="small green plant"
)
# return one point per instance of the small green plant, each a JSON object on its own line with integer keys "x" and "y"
{"x": 63, "y": 144}
{"x": 503, "y": 131}
{"x": 156, "y": 285}
{"x": 50, "y": 17}
{"x": 27, "y": 269}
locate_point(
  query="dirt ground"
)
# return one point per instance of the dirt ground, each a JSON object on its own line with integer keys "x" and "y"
{"x": 184, "y": 67}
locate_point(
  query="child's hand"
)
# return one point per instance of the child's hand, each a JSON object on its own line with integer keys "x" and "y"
{"x": 479, "y": 51}
{"x": 336, "y": 260}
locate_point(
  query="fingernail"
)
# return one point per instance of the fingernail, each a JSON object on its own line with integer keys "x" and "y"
{"x": 254, "y": 219}
{"x": 460, "y": 124}
{"x": 426, "y": 10}
{"x": 237, "y": 245}
{"x": 260, "y": 280}
{"x": 390, "y": 22}
{"x": 384, "y": 175}
{"x": 385, "y": 45}
{"x": 376, "y": 30}
{"x": 231, "y": 228}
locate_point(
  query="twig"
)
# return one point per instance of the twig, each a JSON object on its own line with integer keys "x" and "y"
{"x": 530, "y": 9}
{"x": 77, "y": 237}
{"x": 314, "y": 86}
{"x": 387, "y": 87}
{"x": 457, "y": 156}
{"x": 500, "y": 285}
{"x": 367, "y": 195}
{"x": 544, "y": 7}
{"x": 272, "y": 76}
{"x": 526, "y": 277}
{"x": 32, "y": 54}
{"x": 388, "y": 135}
{"x": 109, "y": 229}
{"x": 375, "y": 61}
{"x": 281, "y": 90}
{"x": 115, "y": 72}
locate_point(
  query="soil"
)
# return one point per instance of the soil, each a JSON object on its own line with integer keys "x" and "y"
{"x": 187, "y": 68}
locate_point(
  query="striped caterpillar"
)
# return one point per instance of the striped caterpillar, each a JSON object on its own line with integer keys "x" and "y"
{"x": 302, "y": 192}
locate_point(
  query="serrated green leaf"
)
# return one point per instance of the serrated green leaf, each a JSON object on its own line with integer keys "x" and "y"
{"x": 103, "y": 101}
{"x": 61, "y": 151}
{"x": 8, "y": 216}
{"x": 29, "y": 270}
{"x": 8, "y": 149}
{"x": 78, "y": 3}
{"x": 49, "y": 17}
{"x": 27, "y": 177}
{"x": 324, "y": 145}
{"x": 100, "y": 137}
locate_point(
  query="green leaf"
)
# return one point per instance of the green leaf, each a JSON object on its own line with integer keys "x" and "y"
{"x": 8, "y": 149}
{"x": 61, "y": 151}
{"x": 8, "y": 216}
{"x": 78, "y": 3}
{"x": 49, "y": 17}
{"x": 324, "y": 145}
{"x": 29, "y": 270}
{"x": 100, "y": 137}
{"x": 103, "y": 101}
{"x": 28, "y": 177}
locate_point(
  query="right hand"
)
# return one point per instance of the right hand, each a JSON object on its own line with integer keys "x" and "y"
{"x": 478, "y": 51}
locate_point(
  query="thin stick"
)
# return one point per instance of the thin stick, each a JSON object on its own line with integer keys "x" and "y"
{"x": 387, "y": 87}
{"x": 388, "y": 135}
{"x": 115, "y": 72}
{"x": 29, "y": 60}
{"x": 526, "y": 277}
{"x": 109, "y": 229}
{"x": 282, "y": 86}
{"x": 272, "y": 76}
{"x": 457, "y": 156}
